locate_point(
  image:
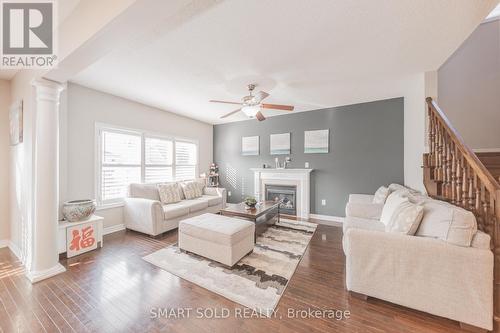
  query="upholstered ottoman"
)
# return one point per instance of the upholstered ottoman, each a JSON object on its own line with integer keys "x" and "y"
{"x": 220, "y": 238}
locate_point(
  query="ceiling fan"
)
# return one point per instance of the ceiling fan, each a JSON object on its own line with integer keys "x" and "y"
{"x": 251, "y": 105}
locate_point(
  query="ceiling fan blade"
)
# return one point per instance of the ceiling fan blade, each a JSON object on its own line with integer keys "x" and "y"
{"x": 277, "y": 107}
{"x": 225, "y": 102}
{"x": 261, "y": 95}
{"x": 260, "y": 116}
{"x": 230, "y": 113}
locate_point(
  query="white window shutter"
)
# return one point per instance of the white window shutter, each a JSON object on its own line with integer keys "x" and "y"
{"x": 186, "y": 159}
{"x": 121, "y": 164}
{"x": 159, "y": 160}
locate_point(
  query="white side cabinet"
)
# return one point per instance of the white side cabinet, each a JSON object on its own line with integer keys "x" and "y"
{"x": 76, "y": 238}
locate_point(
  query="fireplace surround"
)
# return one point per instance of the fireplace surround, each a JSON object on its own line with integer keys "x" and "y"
{"x": 300, "y": 178}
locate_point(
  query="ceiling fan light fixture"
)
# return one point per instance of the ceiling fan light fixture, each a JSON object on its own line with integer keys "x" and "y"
{"x": 251, "y": 111}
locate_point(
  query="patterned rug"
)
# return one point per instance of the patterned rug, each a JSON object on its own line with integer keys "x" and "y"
{"x": 258, "y": 280}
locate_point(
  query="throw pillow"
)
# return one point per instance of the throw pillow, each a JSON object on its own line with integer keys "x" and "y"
{"x": 381, "y": 195}
{"x": 447, "y": 222}
{"x": 392, "y": 202}
{"x": 201, "y": 186}
{"x": 191, "y": 190}
{"x": 169, "y": 193}
{"x": 406, "y": 218}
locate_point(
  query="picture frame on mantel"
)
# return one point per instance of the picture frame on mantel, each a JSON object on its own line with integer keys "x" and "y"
{"x": 16, "y": 123}
{"x": 279, "y": 144}
{"x": 250, "y": 146}
{"x": 317, "y": 141}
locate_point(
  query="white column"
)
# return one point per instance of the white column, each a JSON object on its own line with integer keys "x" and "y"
{"x": 45, "y": 257}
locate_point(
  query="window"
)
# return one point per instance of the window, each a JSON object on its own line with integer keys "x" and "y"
{"x": 121, "y": 164}
{"x": 159, "y": 161}
{"x": 127, "y": 157}
{"x": 185, "y": 160}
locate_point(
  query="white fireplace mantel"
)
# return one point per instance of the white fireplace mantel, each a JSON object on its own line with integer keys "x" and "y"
{"x": 294, "y": 177}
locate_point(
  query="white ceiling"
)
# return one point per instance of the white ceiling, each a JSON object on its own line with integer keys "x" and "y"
{"x": 312, "y": 54}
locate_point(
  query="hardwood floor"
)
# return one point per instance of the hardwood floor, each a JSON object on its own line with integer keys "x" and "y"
{"x": 114, "y": 290}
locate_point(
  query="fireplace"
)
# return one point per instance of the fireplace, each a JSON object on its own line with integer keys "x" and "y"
{"x": 300, "y": 179}
{"x": 286, "y": 195}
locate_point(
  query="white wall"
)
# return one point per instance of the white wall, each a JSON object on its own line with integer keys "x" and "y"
{"x": 4, "y": 160}
{"x": 414, "y": 129}
{"x": 85, "y": 108}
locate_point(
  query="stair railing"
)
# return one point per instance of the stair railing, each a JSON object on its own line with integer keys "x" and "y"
{"x": 464, "y": 181}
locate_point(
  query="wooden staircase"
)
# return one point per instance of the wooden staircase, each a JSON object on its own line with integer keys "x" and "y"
{"x": 454, "y": 173}
{"x": 492, "y": 162}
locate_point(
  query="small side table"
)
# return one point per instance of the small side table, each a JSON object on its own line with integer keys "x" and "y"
{"x": 76, "y": 238}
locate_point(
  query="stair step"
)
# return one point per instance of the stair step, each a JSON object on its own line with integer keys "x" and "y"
{"x": 494, "y": 171}
{"x": 489, "y": 158}
{"x": 486, "y": 154}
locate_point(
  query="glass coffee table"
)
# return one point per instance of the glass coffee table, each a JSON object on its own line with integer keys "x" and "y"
{"x": 263, "y": 215}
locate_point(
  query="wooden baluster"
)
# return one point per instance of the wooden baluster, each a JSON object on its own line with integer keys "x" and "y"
{"x": 442, "y": 171}
{"x": 478, "y": 204}
{"x": 458, "y": 177}
{"x": 486, "y": 212}
{"x": 436, "y": 147}
{"x": 445, "y": 167}
{"x": 477, "y": 194}
{"x": 432, "y": 138}
{"x": 445, "y": 164}
{"x": 439, "y": 156}
{"x": 453, "y": 173}
{"x": 472, "y": 192}
{"x": 448, "y": 168}
{"x": 465, "y": 184}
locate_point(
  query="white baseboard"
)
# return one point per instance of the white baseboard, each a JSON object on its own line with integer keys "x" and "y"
{"x": 487, "y": 150}
{"x": 327, "y": 219}
{"x": 113, "y": 228}
{"x": 16, "y": 250}
{"x": 12, "y": 247}
{"x": 33, "y": 276}
{"x": 45, "y": 274}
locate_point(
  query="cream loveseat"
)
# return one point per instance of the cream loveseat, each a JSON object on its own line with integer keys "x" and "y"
{"x": 145, "y": 213}
{"x": 445, "y": 268}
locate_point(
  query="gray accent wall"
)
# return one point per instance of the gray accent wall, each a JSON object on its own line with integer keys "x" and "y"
{"x": 469, "y": 87}
{"x": 366, "y": 151}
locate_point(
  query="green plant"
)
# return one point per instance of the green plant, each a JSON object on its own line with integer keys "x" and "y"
{"x": 250, "y": 201}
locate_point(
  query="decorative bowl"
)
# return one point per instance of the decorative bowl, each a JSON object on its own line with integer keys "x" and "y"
{"x": 78, "y": 210}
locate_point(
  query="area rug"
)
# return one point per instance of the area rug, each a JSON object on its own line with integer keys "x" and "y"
{"x": 258, "y": 280}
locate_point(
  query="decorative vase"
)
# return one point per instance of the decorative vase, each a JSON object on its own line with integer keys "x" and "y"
{"x": 78, "y": 210}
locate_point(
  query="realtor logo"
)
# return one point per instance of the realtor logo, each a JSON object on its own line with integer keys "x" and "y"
{"x": 28, "y": 34}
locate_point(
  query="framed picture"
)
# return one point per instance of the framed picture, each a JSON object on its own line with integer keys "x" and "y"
{"x": 81, "y": 238}
{"x": 316, "y": 142}
{"x": 16, "y": 123}
{"x": 250, "y": 146}
{"x": 280, "y": 144}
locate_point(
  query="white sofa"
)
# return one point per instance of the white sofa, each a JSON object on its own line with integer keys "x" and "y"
{"x": 145, "y": 213}
{"x": 445, "y": 269}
